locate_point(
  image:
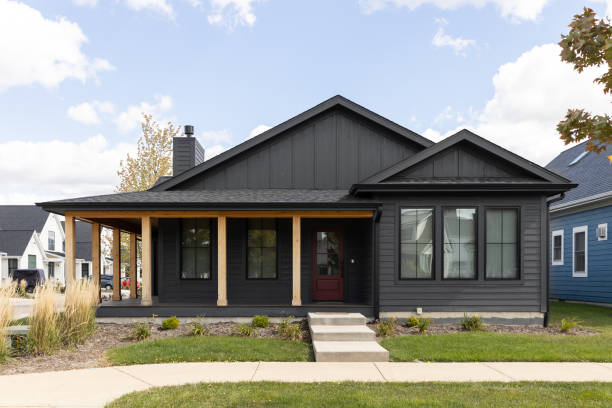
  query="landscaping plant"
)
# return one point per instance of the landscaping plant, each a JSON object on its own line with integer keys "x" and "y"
{"x": 140, "y": 331}
{"x": 423, "y": 325}
{"x": 197, "y": 329}
{"x": 412, "y": 321}
{"x": 260, "y": 321}
{"x": 170, "y": 323}
{"x": 568, "y": 324}
{"x": 6, "y": 314}
{"x": 22, "y": 288}
{"x": 44, "y": 335}
{"x": 78, "y": 322}
{"x": 472, "y": 323}
{"x": 244, "y": 330}
{"x": 289, "y": 330}
{"x": 386, "y": 327}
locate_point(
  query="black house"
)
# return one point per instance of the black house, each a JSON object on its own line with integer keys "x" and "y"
{"x": 336, "y": 209}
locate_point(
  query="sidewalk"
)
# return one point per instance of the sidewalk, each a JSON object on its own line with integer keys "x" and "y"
{"x": 95, "y": 387}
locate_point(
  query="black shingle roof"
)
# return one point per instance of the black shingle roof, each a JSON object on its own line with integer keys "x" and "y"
{"x": 14, "y": 243}
{"x": 592, "y": 173}
{"x": 22, "y": 218}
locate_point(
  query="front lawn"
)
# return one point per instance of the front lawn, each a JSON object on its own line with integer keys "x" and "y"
{"x": 488, "y": 346}
{"x": 363, "y": 395}
{"x": 213, "y": 348}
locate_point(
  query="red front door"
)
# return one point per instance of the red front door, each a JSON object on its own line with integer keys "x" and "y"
{"x": 327, "y": 255}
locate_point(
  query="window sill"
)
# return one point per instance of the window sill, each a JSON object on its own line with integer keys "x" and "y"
{"x": 458, "y": 282}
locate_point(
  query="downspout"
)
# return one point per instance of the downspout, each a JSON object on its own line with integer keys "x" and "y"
{"x": 548, "y": 203}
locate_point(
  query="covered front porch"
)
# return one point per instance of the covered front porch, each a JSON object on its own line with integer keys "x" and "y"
{"x": 323, "y": 260}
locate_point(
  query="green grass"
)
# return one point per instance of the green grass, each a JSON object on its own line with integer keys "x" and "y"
{"x": 484, "y": 346}
{"x": 24, "y": 321}
{"x": 372, "y": 395}
{"x": 219, "y": 348}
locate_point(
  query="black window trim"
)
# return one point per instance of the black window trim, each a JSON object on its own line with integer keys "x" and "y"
{"x": 210, "y": 247}
{"x": 399, "y": 242}
{"x": 246, "y": 252}
{"x": 518, "y": 242}
{"x": 476, "y": 242}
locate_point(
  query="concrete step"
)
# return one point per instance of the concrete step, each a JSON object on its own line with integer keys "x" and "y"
{"x": 342, "y": 333}
{"x": 336, "y": 319}
{"x": 326, "y": 351}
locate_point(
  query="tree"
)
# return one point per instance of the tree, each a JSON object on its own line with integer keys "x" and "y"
{"x": 588, "y": 44}
{"x": 153, "y": 159}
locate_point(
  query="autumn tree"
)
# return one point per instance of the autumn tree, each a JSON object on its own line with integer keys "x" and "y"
{"x": 588, "y": 44}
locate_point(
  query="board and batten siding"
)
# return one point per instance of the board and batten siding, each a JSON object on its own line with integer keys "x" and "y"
{"x": 597, "y": 285}
{"x": 480, "y": 295}
{"x": 330, "y": 151}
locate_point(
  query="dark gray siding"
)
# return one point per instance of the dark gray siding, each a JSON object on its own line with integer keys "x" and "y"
{"x": 463, "y": 160}
{"x": 187, "y": 152}
{"x": 524, "y": 295}
{"x": 357, "y": 246}
{"x": 331, "y": 151}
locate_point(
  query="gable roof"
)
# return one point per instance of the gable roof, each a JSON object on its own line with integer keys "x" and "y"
{"x": 22, "y": 218}
{"x": 14, "y": 242}
{"x": 542, "y": 175}
{"x": 592, "y": 173}
{"x": 334, "y": 102}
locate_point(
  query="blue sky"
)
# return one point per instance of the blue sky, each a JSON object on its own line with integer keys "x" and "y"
{"x": 78, "y": 73}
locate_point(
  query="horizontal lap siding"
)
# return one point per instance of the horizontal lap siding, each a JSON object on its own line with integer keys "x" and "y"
{"x": 479, "y": 295}
{"x": 597, "y": 286}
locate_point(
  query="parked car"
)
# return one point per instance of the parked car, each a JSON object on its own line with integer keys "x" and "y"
{"x": 106, "y": 282}
{"x": 32, "y": 276}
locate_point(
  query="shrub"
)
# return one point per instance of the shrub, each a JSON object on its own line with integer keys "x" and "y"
{"x": 170, "y": 323}
{"x": 78, "y": 322}
{"x": 386, "y": 327}
{"x": 288, "y": 330}
{"x": 197, "y": 329}
{"x": 260, "y": 321}
{"x": 244, "y": 330}
{"x": 423, "y": 325}
{"x": 44, "y": 335}
{"x": 6, "y": 314}
{"x": 568, "y": 324}
{"x": 140, "y": 331}
{"x": 472, "y": 323}
{"x": 412, "y": 321}
{"x": 22, "y": 288}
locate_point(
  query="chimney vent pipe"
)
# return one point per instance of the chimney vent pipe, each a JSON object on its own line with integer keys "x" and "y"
{"x": 188, "y": 130}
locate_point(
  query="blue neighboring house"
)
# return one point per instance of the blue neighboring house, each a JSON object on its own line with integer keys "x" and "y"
{"x": 581, "y": 249}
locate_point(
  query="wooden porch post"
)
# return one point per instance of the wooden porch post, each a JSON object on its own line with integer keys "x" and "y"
{"x": 221, "y": 262}
{"x": 95, "y": 256}
{"x": 116, "y": 264}
{"x": 297, "y": 246}
{"x": 147, "y": 259}
{"x": 133, "y": 266}
{"x": 70, "y": 265}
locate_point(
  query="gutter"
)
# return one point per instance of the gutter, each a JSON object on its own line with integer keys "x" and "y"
{"x": 548, "y": 203}
{"x": 582, "y": 202}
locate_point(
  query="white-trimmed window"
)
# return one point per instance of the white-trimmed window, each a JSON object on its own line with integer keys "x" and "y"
{"x": 557, "y": 247}
{"x": 580, "y": 264}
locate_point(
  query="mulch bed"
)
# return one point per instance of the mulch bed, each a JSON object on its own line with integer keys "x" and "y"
{"x": 93, "y": 352}
{"x": 402, "y": 330}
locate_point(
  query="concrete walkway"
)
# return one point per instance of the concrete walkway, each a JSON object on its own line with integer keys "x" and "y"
{"x": 95, "y": 387}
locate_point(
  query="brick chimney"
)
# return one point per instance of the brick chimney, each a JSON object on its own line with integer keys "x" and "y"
{"x": 187, "y": 152}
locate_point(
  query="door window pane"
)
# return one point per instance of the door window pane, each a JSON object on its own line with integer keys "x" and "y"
{"x": 502, "y": 244}
{"x": 328, "y": 253}
{"x": 51, "y": 269}
{"x": 12, "y": 266}
{"x": 416, "y": 243}
{"x": 195, "y": 249}
{"x": 459, "y": 237}
{"x": 261, "y": 251}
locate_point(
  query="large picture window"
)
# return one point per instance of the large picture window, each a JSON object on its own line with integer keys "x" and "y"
{"x": 195, "y": 249}
{"x": 580, "y": 264}
{"x": 416, "y": 243}
{"x": 459, "y": 237}
{"x": 502, "y": 249}
{"x": 261, "y": 251}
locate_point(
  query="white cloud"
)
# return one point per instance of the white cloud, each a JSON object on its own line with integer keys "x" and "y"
{"x": 131, "y": 118}
{"x": 24, "y": 182}
{"x": 231, "y": 13}
{"x": 530, "y": 100}
{"x": 210, "y": 137}
{"x": 257, "y": 130}
{"x": 515, "y": 9}
{"x": 34, "y": 49}
{"x": 212, "y": 151}
{"x": 89, "y": 3}
{"x": 88, "y": 112}
{"x": 608, "y": 6}
{"x": 159, "y": 6}
{"x": 458, "y": 44}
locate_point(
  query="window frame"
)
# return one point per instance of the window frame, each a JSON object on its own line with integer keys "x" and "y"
{"x": 85, "y": 265}
{"x": 433, "y": 242}
{"x": 51, "y": 238}
{"x": 16, "y": 260}
{"x": 518, "y": 243}
{"x": 35, "y": 261}
{"x": 476, "y": 242}
{"x": 51, "y": 270}
{"x": 246, "y": 252}
{"x": 557, "y": 233}
{"x": 577, "y": 230}
{"x": 180, "y": 250}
